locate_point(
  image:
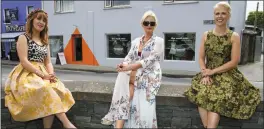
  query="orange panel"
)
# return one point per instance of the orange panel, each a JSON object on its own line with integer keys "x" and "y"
{"x": 88, "y": 57}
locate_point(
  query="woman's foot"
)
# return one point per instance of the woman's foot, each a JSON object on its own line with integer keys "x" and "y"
{"x": 106, "y": 122}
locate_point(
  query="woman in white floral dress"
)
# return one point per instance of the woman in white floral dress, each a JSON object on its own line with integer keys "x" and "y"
{"x": 144, "y": 57}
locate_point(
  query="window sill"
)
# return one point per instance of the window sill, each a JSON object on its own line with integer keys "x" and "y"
{"x": 182, "y": 61}
{"x": 117, "y": 7}
{"x": 55, "y": 13}
{"x": 114, "y": 58}
{"x": 180, "y": 2}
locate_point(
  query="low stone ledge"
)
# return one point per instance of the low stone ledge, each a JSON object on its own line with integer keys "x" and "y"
{"x": 169, "y": 91}
{"x": 93, "y": 102}
{"x": 108, "y": 87}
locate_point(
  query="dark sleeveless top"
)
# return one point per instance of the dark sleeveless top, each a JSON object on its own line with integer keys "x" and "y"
{"x": 218, "y": 49}
{"x": 36, "y": 52}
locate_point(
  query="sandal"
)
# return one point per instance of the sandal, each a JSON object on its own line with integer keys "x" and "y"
{"x": 106, "y": 122}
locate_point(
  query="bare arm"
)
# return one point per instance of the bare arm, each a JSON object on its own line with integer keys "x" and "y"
{"x": 235, "y": 55}
{"x": 202, "y": 52}
{"x": 22, "y": 50}
{"x": 48, "y": 63}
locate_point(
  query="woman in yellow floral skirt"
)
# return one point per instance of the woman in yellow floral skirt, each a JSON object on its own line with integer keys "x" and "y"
{"x": 32, "y": 90}
{"x": 220, "y": 88}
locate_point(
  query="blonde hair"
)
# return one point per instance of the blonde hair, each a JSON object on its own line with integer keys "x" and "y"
{"x": 224, "y": 4}
{"x": 149, "y": 14}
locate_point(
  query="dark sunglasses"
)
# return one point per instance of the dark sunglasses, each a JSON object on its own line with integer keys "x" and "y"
{"x": 147, "y": 23}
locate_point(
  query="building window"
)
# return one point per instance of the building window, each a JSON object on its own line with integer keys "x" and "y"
{"x": 30, "y": 9}
{"x": 116, "y": 3}
{"x": 180, "y": 46}
{"x": 118, "y": 45}
{"x": 56, "y": 45}
{"x": 5, "y": 48}
{"x": 62, "y": 6}
{"x": 77, "y": 47}
{"x": 13, "y": 14}
{"x": 10, "y": 15}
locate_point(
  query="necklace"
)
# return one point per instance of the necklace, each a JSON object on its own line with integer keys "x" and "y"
{"x": 143, "y": 42}
{"x": 220, "y": 34}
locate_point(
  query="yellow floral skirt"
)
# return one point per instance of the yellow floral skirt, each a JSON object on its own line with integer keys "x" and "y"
{"x": 29, "y": 97}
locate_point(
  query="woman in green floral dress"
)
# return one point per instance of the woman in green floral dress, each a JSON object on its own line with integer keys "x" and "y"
{"x": 220, "y": 88}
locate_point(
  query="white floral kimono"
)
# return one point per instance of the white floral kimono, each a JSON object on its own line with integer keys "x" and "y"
{"x": 141, "y": 111}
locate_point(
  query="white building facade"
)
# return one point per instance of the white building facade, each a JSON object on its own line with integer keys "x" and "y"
{"x": 100, "y": 32}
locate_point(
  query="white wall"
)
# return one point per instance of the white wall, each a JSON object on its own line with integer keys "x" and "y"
{"x": 94, "y": 22}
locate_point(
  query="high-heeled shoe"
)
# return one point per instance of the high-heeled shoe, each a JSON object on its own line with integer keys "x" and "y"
{"x": 106, "y": 122}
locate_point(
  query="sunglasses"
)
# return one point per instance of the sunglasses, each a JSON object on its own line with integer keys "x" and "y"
{"x": 147, "y": 23}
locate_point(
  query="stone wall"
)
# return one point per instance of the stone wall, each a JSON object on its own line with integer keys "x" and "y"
{"x": 93, "y": 103}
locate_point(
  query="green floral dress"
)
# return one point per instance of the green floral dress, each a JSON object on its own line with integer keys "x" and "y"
{"x": 230, "y": 94}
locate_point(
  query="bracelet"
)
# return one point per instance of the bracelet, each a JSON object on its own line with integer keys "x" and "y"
{"x": 39, "y": 73}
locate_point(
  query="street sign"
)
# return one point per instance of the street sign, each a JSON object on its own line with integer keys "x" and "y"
{"x": 208, "y": 22}
{"x": 61, "y": 59}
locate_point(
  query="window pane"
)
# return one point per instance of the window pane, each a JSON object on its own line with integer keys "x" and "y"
{"x": 13, "y": 13}
{"x": 7, "y": 16}
{"x": 56, "y": 45}
{"x": 7, "y": 13}
{"x": 118, "y": 45}
{"x": 3, "y": 51}
{"x": 180, "y": 46}
{"x": 30, "y": 9}
{"x": 121, "y": 2}
{"x": 13, "y": 52}
{"x": 67, "y": 5}
{"x": 71, "y": 5}
{"x": 57, "y": 6}
{"x": 107, "y": 3}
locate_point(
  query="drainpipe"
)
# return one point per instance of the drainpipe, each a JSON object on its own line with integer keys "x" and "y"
{"x": 42, "y": 4}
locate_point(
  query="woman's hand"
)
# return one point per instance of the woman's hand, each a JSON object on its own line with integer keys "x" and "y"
{"x": 120, "y": 67}
{"x": 53, "y": 78}
{"x": 46, "y": 77}
{"x": 126, "y": 67}
{"x": 208, "y": 72}
{"x": 206, "y": 80}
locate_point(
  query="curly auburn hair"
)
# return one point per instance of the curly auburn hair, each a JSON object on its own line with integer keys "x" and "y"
{"x": 29, "y": 25}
